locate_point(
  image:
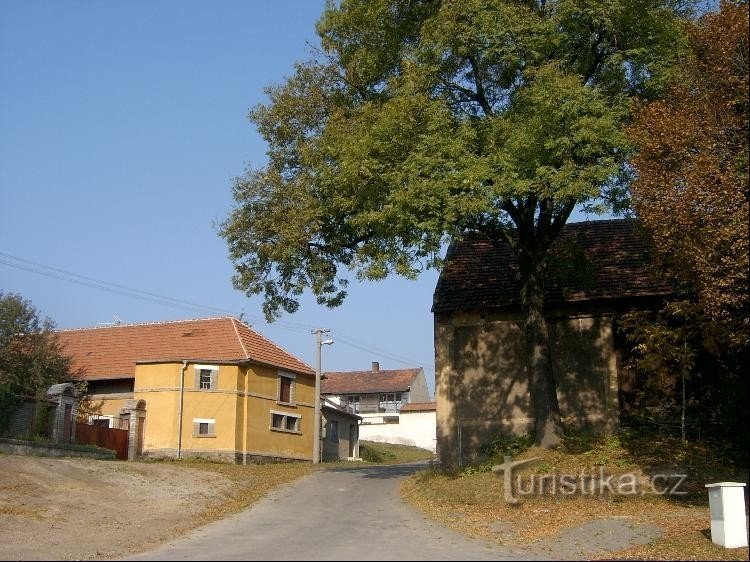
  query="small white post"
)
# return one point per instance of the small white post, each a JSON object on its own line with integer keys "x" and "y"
{"x": 728, "y": 524}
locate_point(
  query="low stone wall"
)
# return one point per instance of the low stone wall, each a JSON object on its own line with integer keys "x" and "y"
{"x": 31, "y": 448}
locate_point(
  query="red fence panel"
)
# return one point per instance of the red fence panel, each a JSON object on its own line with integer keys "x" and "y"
{"x": 106, "y": 437}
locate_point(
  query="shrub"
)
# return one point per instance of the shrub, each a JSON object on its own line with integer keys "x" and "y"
{"x": 507, "y": 445}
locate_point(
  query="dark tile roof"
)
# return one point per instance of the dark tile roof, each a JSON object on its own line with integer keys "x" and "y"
{"x": 419, "y": 407}
{"x": 112, "y": 352}
{"x": 589, "y": 261}
{"x": 366, "y": 382}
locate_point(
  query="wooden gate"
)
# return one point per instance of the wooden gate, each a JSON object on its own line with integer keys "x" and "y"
{"x": 97, "y": 432}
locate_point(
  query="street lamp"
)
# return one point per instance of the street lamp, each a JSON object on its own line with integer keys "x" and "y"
{"x": 320, "y": 342}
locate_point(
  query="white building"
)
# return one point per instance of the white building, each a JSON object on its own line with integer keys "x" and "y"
{"x": 395, "y": 405}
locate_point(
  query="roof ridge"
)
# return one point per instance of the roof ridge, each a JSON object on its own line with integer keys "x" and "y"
{"x": 277, "y": 346}
{"x": 239, "y": 338}
{"x": 381, "y": 371}
{"x": 136, "y": 324}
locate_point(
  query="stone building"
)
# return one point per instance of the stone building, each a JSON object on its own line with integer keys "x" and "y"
{"x": 596, "y": 271}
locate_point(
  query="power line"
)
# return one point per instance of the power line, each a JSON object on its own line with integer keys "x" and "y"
{"x": 124, "y": 290}
{"x": 148, "y": 296}
{"x": 378, "y": 352}
{"x": 115, "y": 288}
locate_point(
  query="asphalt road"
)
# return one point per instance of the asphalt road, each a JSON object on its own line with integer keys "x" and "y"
{"x": 346, "y": 514}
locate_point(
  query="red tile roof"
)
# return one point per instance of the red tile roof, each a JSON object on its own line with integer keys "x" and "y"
{"x": 367, "y": 382}
{"x": 112, "y": 352}
{"x": 589, "y": 261}
{"x": 419, "y": 407}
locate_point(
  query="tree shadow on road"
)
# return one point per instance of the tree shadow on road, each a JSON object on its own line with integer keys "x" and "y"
{"x": 383, "y": 472}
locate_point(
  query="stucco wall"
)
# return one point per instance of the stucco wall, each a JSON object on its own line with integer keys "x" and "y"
{"x": 159, "y": 385}
{"x": 481, "y": 384}
{"x": 347, "y": 431}
{"x": 241, "y": 405}
{"x": 418, "y": 391}
{"x": 414, "y": 428}
{"x": 421, "y": 427}
{"x": 262, "y": 392}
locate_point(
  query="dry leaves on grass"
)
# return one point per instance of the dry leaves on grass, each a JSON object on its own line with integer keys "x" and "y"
{"x": 475, "y": 506}
{"x": 686, "y": 536}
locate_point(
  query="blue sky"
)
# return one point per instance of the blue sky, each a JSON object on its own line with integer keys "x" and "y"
{"x": 121, "y": 127}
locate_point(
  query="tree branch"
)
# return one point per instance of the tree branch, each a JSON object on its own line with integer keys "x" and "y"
{"x": 480, "y": 93}
{"x": 512, "y": 210}
{"x": 598, "y": 56}
{"x": 558, "y": 222}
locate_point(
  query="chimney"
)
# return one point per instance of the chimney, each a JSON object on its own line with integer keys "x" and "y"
{"x": 375, "y": 367}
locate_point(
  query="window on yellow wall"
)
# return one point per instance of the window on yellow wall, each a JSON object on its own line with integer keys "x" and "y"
{"x": 206, "y": 377}
{"x": 286, "y": 394}
{"x": 203, "y": 427}
{"x": 282, "y": 421}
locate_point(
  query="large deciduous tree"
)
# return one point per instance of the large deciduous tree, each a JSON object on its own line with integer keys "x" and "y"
{"x": 30, "y": 357}
{"x": 691, "y": 194}
{"x": 692, "y": 166}
{"x": 420, "y": 120}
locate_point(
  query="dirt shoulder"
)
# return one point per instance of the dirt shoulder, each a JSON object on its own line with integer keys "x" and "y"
{"x": 73, "y": 509}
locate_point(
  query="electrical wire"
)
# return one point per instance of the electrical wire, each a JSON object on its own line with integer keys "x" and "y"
{"x": 148, "y": 296}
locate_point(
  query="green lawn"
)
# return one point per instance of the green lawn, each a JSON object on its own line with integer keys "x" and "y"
{"x": 389, "y": 453}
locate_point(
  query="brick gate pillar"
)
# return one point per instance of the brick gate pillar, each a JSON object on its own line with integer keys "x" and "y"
{"x": 66, "y": 399}
{"x": 136, "y": 410}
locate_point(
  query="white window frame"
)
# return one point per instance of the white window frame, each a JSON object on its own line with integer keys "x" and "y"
{"x": 214, "y": 376}
{"x": 285, "y": 417}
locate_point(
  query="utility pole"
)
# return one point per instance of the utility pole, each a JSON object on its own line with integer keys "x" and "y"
{"x": 319, "y": 343}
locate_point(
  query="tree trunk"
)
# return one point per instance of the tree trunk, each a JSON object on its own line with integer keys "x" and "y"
{"x": 547, "y": 420}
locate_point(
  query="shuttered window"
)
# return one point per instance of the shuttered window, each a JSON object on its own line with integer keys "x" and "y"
{"x": 286, "y": 390}
{"x": 206, "y": 377}
{"x": 203, "y": 427}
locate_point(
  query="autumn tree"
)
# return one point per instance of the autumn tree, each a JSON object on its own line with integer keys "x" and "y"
{"x": 691, "y": 190}
{"x": 421, "y": 120}
{"x": 30, "y": 357}
{"x": 691, "y": 194}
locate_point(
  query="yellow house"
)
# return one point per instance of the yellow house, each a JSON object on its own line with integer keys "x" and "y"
{"x": 211, "y": 387}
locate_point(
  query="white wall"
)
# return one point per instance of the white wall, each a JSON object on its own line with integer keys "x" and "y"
{"x": 414, "y": 428}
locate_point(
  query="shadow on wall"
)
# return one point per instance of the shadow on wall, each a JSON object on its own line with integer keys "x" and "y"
{"x": 486, "y": 381}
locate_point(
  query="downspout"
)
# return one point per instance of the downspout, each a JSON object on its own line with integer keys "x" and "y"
{"x": 179, "y": 415}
